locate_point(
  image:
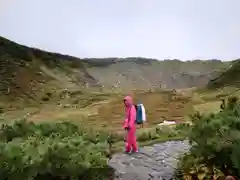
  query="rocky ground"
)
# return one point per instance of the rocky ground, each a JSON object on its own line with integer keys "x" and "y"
{"x": 155, "y": 162}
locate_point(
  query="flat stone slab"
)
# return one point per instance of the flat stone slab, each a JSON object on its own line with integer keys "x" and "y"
{"x": 157, "y": 162}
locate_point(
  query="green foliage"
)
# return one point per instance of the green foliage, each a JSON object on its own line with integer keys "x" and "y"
{"x": 62, "y": 150}
{"x": 163, "y": 132}
{"x": 52, "y": 151}
{"x": 18, "y": 51}
{"x": 229, "y": 77}
{"x": 215, "y": 140}
{"x": 1, "y": 110}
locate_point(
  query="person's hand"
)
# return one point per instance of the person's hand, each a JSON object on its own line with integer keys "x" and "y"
{"x": 125, "y": 135}
{"x": 127, "y": 128}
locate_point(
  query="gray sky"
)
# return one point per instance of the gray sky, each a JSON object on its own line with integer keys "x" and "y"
{"x": 184, "y": 29}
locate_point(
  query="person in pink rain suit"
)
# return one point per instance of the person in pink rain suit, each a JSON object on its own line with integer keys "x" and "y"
{"x": 130, "y": 126}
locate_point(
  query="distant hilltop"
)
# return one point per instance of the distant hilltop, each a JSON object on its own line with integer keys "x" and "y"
{"x": 29, "y": 72}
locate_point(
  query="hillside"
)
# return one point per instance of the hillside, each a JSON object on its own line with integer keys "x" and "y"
{"x": 29, "y": 71}
{"x": 231, "y": 77}
{"x": 142, "y": 73}
{"x": 32, "y": 72}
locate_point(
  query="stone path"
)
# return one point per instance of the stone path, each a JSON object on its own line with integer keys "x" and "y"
{"x": 157, "y": 162}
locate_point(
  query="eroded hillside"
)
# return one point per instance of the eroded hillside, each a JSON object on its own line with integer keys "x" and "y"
{"x": 140, "y": 73}
{"x": 32, "y": 72}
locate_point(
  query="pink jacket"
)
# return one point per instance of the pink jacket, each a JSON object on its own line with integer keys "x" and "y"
{"x": 130, "y": 114}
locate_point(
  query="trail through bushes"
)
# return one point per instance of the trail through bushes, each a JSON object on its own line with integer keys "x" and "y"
{"x": 64, "y": 150}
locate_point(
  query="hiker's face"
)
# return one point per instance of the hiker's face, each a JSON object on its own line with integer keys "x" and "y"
{"x": 125, "y": 103}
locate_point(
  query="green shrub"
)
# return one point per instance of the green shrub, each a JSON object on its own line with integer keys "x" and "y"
{"x": 215, "y": 140}
{"x": 61, "y": 150}
{"x": 49, "y": 94}
{"x": 162, "y": 132}
{"x": 143, "y": 136}
{"x": 166, "y": 131}
{"x": 1, "y": 110}
{"x": 45, "y": 98}
{"x": 24, "y": 129}
{"x": 152, "y": 135}
{"x": 52, "y": 151}
{"x": 182, "y": 126}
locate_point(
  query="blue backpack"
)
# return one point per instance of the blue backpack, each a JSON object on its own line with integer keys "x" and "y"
{"x": 140, "y": 114}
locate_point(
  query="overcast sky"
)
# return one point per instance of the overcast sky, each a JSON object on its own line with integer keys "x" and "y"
{"x": 183, "y": 29}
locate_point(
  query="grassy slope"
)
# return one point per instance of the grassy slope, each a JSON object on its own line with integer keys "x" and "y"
{"x": 32, "y": 72}
{"x": 231, "y": 77}
{"x": 29, "y": 72}
{"x": 106, "y": 111}
{"x": 225, "y": 85}
{"x": 43, "y": 77}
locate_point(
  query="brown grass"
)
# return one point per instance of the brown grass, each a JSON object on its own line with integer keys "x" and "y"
{"x": 159, "y": 106}
{"x": 208, "y": 107}
{"x": 208, "y": 101}
{"x": 106, "y": 111}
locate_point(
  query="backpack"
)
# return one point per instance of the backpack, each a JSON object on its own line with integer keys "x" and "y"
{"x": 140, "y": 114}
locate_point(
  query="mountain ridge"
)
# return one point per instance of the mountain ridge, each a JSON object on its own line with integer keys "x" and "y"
{"x": 30, "y": 71}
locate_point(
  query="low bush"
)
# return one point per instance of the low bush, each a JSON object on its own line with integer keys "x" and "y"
{"x": 163, "y": 132}
{"x": 45, "y": 98}
{"x": 215, "y": 140}
{"x": 63, "y": 150}
{"x": 52, "y": 151}
{"x": 1, "y": 110}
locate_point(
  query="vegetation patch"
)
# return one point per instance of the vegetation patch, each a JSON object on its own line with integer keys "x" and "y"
{"x": 64, "y": 150}
{"x": 215, "y": 140}
{"x": 52, "y": 151}
{"x": 1, "y": 110}
{"x": 228, "y": 78}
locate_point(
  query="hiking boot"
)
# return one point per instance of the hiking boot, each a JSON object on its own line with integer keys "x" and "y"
{"x": 127, "y": 152}
{"x": 135, "y": 151}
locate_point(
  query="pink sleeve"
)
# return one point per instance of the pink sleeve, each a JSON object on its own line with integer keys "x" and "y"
{"x": 132, "y": 117}
{"x": 125, "y": 124}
